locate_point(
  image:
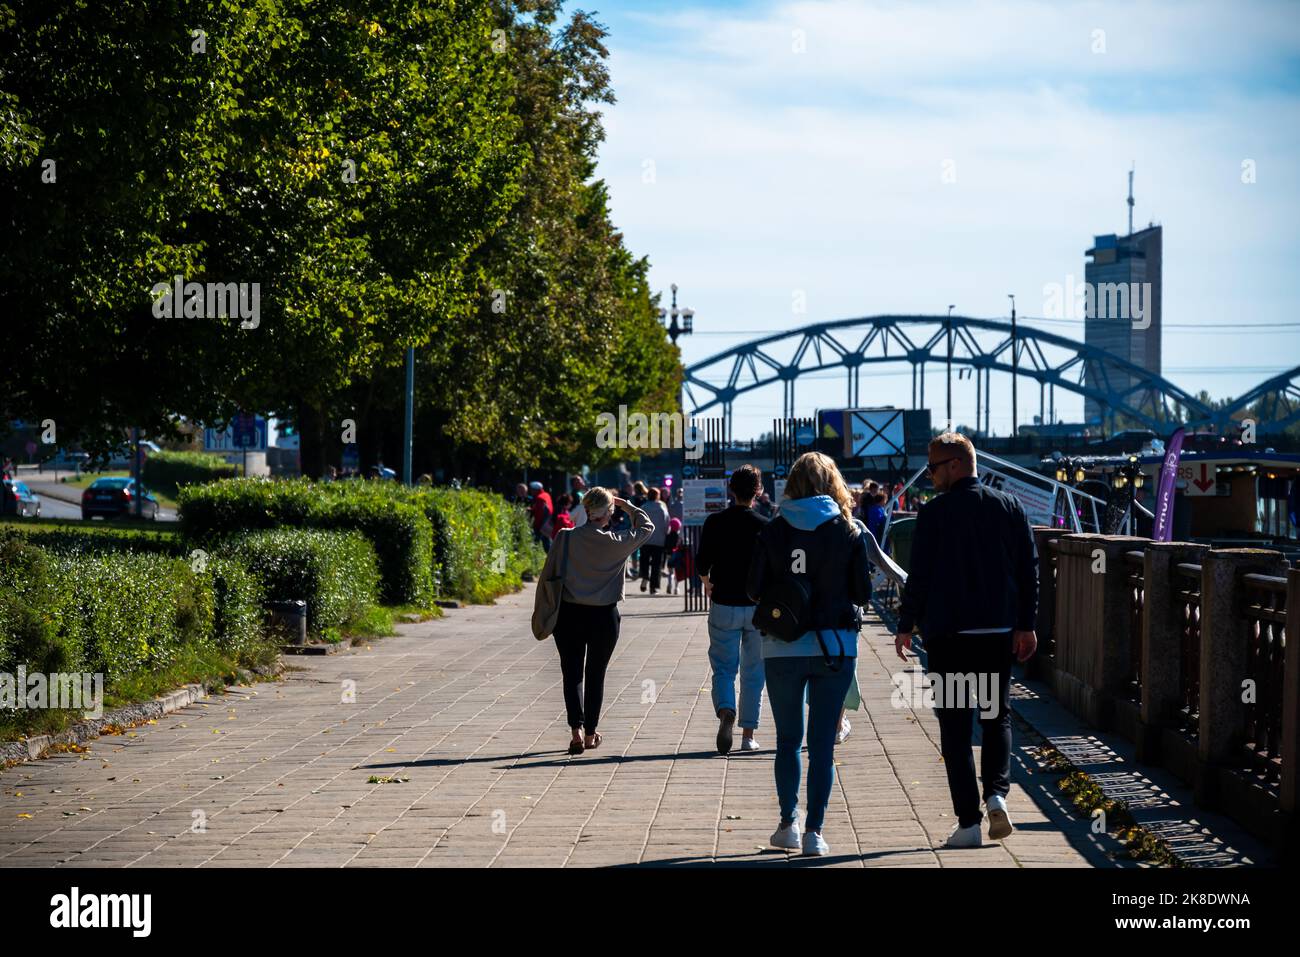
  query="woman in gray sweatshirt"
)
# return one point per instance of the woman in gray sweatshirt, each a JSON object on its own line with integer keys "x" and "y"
{"x": 593, "y": 559}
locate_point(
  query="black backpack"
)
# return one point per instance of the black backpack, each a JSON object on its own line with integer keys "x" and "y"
{"x": 784, "y": 611}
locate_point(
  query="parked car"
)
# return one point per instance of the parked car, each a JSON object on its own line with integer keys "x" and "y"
{"x": 65, "y": 459}
{"x": 115, "y": 496}
{"x": 17, "y": 499}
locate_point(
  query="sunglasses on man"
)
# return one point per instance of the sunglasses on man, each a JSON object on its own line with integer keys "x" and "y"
{"x": 931, "y": 466}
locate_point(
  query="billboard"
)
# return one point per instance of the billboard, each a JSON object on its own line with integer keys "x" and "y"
{"x": 244, "y": 433}
{"x": 870, "y": 433}
{"x": 701, "y": 498}
{"x": 1039, "y": 503}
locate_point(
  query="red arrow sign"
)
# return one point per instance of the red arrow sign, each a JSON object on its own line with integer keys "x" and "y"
{"x": 1203, "y": 483}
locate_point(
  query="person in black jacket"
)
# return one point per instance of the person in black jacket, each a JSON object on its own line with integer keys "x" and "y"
{"x": 973, "y": 590}
{"x": 728, "y": 541}
{"x": 815, "y": 541}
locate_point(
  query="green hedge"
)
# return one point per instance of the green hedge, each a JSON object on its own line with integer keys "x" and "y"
{"x": 483, "y": 544}
{"x": 30, "y": 611}
{"x": 239, "y": 597}
{"x": 100, "y": 539}
{"x": 479, "y": 545}
{"x": 119, "y": 614}
{"x": 334, "y": 572}
{"x": 166, "y": 472}
{"x": 73, "y": 609}
{"x": 400, "y": 533}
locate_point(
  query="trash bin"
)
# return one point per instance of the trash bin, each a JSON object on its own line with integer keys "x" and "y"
{"x": 288, "y": 619}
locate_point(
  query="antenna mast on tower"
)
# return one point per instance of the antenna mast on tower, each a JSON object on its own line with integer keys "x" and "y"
{"x": 1130, "y": 199}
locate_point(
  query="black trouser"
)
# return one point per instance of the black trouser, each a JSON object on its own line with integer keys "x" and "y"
{"x": 982, "y": 664}
{"x": 652, "y": 561}
{"x": 585, "y": 636}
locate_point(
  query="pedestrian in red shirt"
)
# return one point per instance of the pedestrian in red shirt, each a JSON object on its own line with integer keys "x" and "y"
{"x": 543, "y": 512}
{"x": 563, "y": 517}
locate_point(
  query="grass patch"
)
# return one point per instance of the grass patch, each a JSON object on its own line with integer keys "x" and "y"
{"x": 212, "y": 669}
{"x": 376, "y": 621}
{"x": 412, "y": 614}
{"x": 381, "y": 621}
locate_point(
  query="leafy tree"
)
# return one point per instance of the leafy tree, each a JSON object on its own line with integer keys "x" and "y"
{"x": 387, "y": 173}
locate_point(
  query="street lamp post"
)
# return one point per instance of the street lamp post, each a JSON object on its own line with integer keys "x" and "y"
{"x": 1015, "y": 367}
{"x": 685, "y": 328}
{"x": 1070, "y": 472}
{"x": 408, "y": 422}
{"x": 1128, "y": 477}
{"x": 948, "y": 329}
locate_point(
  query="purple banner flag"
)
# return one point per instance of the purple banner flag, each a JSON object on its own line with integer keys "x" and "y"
{"x": 1164, "y": 530}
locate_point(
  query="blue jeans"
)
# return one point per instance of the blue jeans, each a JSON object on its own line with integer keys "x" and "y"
{"x": 787, "y": 680}
{"x": 735, "y": 646}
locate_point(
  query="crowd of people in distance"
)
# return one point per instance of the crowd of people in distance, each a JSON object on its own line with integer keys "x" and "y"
{"x": 661, "y": 556}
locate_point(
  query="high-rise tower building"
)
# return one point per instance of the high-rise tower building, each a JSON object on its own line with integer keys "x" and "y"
{"x": 1123, "y": 279}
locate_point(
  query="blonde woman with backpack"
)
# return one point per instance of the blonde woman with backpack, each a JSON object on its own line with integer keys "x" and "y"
{"x": 808, "y": 576}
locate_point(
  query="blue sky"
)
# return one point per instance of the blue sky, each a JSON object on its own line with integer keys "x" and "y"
{"x": 798, "y": 148}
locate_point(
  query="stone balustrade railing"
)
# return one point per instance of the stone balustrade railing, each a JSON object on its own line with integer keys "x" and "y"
{"x": 1182, "y": 648}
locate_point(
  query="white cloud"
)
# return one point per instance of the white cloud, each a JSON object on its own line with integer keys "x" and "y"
{"x": 822, "y": 171}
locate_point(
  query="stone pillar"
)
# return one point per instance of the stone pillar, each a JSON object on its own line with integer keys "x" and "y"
{"x": 1225, "y": 646}
{"x": 1072, "y": 668}
{"x": 1112, "y": 668}
{"x": 1091, "y": 623}
{"x": 1291, "y": 694}
{"x": 1162, "y": 625}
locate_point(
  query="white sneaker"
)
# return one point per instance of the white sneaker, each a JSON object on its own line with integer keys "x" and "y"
{"x": 999, "y": 819}
{"x": 842, "y": 735}
{"x": 749, "y": 744}
{"x": 787, "y": 838}
{"x": 965, "y": 837}
{"x": 814, "y": 846}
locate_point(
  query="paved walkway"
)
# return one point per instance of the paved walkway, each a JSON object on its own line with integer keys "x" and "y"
{"x": 465, "y": 716}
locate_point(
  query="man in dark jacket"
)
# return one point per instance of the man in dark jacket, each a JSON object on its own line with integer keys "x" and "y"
{"x": 973, "y": 590}
{"x": 728, "y": 541}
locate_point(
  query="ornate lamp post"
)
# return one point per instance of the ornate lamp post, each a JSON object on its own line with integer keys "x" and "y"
{"x": 1070, "y": 471}
{"x": 675, "y": 329}
{"x": 686, "y": 315}
{"x": 1128, "y": 477}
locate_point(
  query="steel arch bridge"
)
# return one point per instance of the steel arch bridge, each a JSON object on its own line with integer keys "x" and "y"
{"x": 1279, "y": 403}
{"x": 982, "y": 344}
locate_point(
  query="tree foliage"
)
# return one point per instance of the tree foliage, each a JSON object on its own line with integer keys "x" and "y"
{"x": 390, "y": 173}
